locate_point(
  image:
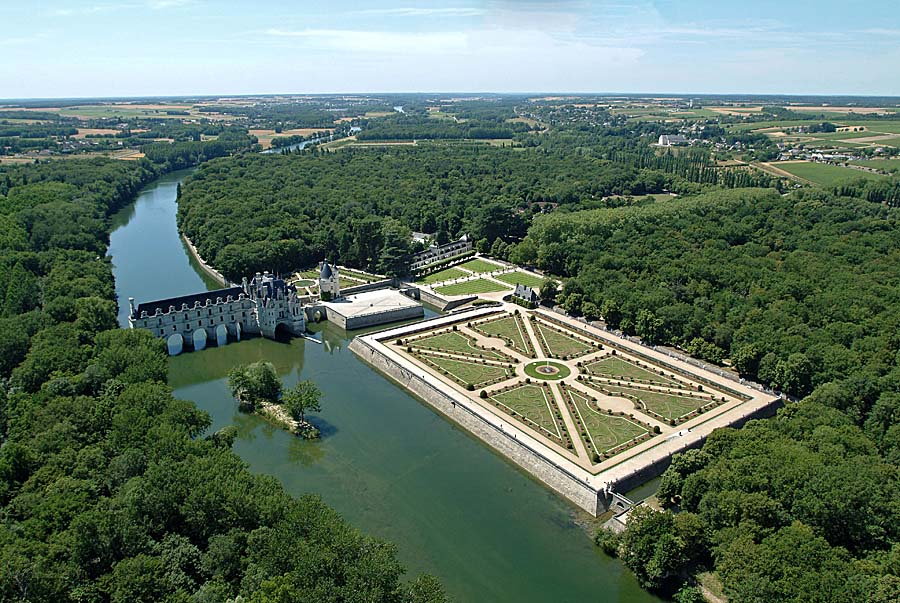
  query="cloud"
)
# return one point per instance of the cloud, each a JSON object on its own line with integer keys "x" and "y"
{"x": 377, "y": 41}
{"x": 424, "y": 12}
{"x": 121, "y": 6}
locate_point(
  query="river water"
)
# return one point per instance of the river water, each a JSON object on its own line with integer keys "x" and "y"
{"x": 387, "y": 463}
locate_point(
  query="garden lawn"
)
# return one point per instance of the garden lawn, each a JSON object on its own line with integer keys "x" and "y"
{"x": 473, "y": 287}
{"x": 442, "y": 275}
{"x": 557, "y": 344}
{"x": 619, "y": 368}
{"x": 519, "y": 277}
{"x": 468, "y": 372}
{"x": 479, "y": 265}
{"x": 510, "y": 329}
{"x": 535, "y": 404}
{"x": 454, "y": 342}
{"x": 668, "y": 406}
{"x": 604, "y": 430}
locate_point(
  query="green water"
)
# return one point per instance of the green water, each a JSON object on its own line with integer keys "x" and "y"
{"x": 386, "y": 462}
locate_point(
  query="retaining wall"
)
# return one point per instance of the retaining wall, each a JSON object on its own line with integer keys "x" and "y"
{"x": 550, "y": 474}
{"x": 215, "y": 274}
{"x": 382, "y": 284}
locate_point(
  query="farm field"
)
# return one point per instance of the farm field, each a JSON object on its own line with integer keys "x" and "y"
{"x": 823, "y": 174}
{"x": 265, "y": 136}
{"x": 888, "y": 165}
{"x": 473, "y": 287}
{"x": 478, "y": 265}
{"x": 519, "y": 277}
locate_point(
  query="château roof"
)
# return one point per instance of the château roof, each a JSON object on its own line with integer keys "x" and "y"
{"x": 163, "y": 304}
{"x": 326, "y": 272}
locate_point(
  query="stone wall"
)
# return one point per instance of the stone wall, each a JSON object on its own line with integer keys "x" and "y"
{"x": 433, "y": 299}
{"x": 382, "y": 284}
{"x": 543, "y": 469}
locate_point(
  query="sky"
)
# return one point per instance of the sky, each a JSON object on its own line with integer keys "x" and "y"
{"x": 121, "y": 48}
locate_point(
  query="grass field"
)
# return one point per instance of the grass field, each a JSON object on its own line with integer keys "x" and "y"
{"x": 442, "y": 275}
{"x": 534, "y": 403}
{"x": 558, "y": 345}
{"x": 613, "y": 366}
{"x": 507, "y": 328}
{"x": 454, "y": 342}
{"x": 667, "y": 406}
{"x": 468, "y": 373}
{"x": 521, "y": 278}
{"x": 605, "y": 431}
{"x": 824, "y": 174}
{"x": 888, "y": 165}
{"x": 473, "y": 287}
{"x": 479, "y": 265}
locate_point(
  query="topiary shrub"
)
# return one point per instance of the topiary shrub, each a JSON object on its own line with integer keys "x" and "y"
{"x": 483, "y": 394}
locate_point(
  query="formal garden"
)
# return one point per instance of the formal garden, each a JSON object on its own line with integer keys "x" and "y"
{"x": 587, "y": 398}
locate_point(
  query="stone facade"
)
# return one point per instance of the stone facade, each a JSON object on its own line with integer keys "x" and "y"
{"x": 259, "y": 306}
{"x": 439, "y": 254}
{"x": 329, "y": 282}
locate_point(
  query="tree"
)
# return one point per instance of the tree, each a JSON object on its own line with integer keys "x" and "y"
{"x": 394, "y": 255}
{"x": 302, "y": 398}
{"x": 254, "y": 383}
{"x": 549, "y": 291}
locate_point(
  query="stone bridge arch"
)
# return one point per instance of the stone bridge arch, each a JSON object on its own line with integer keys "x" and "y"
{"x": 175, "y": 344}
{"x": 221, "y": 335}
{"x": 199, "y": 338}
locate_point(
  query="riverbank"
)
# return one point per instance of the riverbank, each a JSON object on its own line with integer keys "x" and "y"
{"x": 209, "y": 270}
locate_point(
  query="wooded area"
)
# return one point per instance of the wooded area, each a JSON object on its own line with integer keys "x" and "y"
{"x": 109, "y": 489}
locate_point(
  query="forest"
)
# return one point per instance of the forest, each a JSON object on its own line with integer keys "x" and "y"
{"x": 799, "y": 291}
{"x": 111, "y": 490}
{"x": 249, "y": 213}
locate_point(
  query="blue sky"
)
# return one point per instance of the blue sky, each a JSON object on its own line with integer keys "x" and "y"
{"x": 173, "y": 47}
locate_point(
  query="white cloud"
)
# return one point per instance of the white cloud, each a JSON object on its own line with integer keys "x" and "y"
{"x": 424, "y": 12}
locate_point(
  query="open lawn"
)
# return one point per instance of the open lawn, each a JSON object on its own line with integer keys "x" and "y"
{"x": 536, "y": 405}
{"x": 660, "y": 404}
{"x": 615, "y": 367}
{"x": 454, "y": 342}
{"x": 557, "y": 344}
{"x": 605, "y": 431}
{"x": 510, "y": 329}
{"x": 467, "y": 372}
{"x": 521, "y": 278}
{"x": 824, "y": 174}
{"x": 479, "y": 265}
{"x": 473, "y": 287}
{"x": 442, "y": 275}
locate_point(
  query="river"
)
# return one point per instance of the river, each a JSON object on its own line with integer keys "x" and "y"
{"x": 387, "y": 463}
